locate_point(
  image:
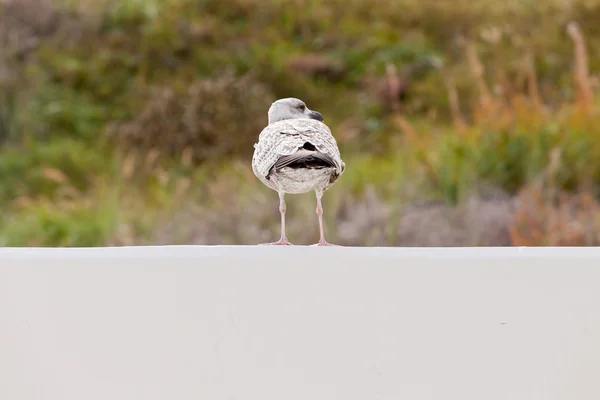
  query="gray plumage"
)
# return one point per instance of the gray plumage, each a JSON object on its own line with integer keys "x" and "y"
{"x": 284, "y": 141}
{"x": 297, "y": 153}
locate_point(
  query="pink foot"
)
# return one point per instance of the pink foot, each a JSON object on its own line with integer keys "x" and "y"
{"x": 281, "y": 242}
{"x": 322, "y": 242}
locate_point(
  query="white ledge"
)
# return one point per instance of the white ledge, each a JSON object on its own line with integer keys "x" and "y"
{"x": 259, "y": 252}
{"x": 271, "y": 323}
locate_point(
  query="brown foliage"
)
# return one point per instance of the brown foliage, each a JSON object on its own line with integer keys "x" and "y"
{"x": 317, "y": 65}
{"x": 22, "y": 23}
{"x": 567, "y": 220}
{"x": 26, "y": 24}
{"x": 209, "y": 120}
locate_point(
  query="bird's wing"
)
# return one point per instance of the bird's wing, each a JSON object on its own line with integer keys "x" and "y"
{"x": 308, "y": 158}
{"x": 286, "y": 137}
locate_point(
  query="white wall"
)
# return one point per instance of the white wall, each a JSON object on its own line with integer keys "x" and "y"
{"x": 299, "y": 323}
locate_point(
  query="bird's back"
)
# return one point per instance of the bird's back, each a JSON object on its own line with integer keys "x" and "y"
{"x": 286, "y": 137}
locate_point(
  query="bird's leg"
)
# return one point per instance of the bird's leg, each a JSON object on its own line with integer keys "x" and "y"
{"x": 322, "y": 241}
{"x": 283, "y": 241}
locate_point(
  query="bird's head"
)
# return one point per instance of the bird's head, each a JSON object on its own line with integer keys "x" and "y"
{"x": 291, "y": 108}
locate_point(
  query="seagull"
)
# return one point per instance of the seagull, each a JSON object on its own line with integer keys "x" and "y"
{"x": 296, "y": 153}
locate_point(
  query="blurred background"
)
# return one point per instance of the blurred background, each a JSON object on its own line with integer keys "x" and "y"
{"x": 462, "y": 123}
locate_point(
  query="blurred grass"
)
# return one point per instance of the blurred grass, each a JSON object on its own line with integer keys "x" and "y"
{"x": 127, "y": 122}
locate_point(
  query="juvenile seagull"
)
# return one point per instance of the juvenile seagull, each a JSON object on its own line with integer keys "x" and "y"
{"x": 297, "y": 153}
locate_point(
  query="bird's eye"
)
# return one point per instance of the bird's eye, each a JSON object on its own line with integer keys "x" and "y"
{"x": 302, "y": 107}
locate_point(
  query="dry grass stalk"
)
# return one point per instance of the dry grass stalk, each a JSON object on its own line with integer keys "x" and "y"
{"x": 393, "y": 86}
{"x": 393, "y": 89}
{"x": 477, "y": 70}
{"x": 407, "y": 128}
{"x": 532, "y": 83}
{"x": 454, "y": 103}
{"x": 585, "y": 94}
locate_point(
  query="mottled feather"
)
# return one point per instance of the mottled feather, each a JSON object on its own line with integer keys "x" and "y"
{"x": 286, "y": 137}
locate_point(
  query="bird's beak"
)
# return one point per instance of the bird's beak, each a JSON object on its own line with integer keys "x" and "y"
{"x": 315, "y": 115}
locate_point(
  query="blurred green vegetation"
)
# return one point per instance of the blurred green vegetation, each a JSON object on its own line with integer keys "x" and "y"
{"x": 133, "y": 122}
